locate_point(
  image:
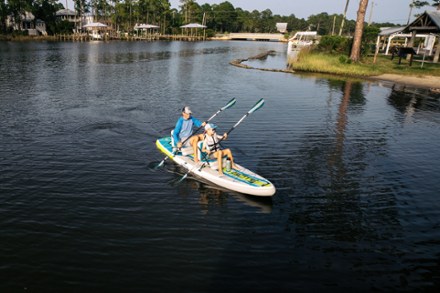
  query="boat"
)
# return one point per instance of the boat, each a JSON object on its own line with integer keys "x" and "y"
{"x": 238, "y": 179}
{"x": 300, "y": 41}
{"x": 95, "y": 35}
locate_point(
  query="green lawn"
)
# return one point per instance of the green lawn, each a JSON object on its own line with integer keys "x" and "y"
{"x": 324, "y": 63}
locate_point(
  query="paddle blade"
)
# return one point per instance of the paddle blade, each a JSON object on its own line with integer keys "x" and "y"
{"x": 161, "y": 163}
{"x": 257, "y": 106}
{"x": 174, "y": 183}
{"x": 154, "y": 165}
{"x": 229, "y": 104}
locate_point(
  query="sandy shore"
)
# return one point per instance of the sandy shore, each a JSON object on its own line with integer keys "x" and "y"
{"x": 428, "y": 81}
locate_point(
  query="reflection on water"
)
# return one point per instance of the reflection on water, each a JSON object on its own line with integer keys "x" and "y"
{"x": 212, "y": 195}
{"x": 355, "y": 165}
{"x": 276, "y": 60}
{"x": 412, "y": 102}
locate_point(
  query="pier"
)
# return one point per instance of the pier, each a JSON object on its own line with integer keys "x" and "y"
{"x": 83, "y": 37}
{"x": 255, "y": 37}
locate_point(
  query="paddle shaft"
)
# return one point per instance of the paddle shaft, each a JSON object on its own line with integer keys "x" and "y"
{"x": 257, "y": 106}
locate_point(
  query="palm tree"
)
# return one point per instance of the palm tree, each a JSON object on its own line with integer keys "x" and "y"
{"x": 416, "y": 4}
{"x": 357, "y": 39}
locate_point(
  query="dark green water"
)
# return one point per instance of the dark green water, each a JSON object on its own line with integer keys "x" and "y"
{"x": 355, "y": 164}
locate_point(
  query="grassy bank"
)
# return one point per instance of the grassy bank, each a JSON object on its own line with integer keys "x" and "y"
{"x": 23, "y": 38}
{"x": 332, "y": 64}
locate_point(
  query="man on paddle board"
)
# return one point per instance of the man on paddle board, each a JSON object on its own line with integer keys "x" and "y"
{"x": 211, "y": 146}
{"x": 183, "y": 130}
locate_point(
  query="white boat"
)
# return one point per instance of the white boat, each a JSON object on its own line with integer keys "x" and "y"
{"x": 96, "y": 35}
{"x": 238, "y": 179}
{"x": 300, "y": 41}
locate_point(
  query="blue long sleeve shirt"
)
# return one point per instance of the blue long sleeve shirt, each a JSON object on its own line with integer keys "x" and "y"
{"x": 183, "y": 128}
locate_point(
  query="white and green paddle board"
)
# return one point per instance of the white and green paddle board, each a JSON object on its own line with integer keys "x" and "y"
{"x": 238, "y": 179}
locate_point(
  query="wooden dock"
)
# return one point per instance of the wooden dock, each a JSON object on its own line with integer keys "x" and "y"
{"x": 83, "y": 37}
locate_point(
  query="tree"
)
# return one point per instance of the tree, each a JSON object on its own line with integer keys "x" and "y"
{"x": 3, "y": 14}
{"x": 189, "y": 10}
{"x": 419, "y": 4}
{"x": 46, "y": 9}
{"x": 322, "y": 23}
{"x": 225, "y": 16}
{"x": 415, "y": 4}
{"x": 267, "y": 24}
{"x": 357, "y": 38}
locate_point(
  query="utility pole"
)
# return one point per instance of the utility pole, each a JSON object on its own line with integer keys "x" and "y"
{"x": 371, "y": 13}
{"x": 343, "y": 17}
{"x": 333, "y": 28}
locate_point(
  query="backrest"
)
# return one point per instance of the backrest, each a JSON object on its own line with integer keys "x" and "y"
{"x": 199, "y": 151}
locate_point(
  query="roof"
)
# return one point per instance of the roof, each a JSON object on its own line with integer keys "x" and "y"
{"x": 63, "y": 12}
{"x": 193, "y": 25}
{"x": 145, "y": 26}
{"x": 95, "y": 24}
{"x": 435, "y": 16}
{"x": 281, "y": 26}
{"x": 386, "y": 31}
{"x": 428, "y": 22}
{"x": 27, "y": 16}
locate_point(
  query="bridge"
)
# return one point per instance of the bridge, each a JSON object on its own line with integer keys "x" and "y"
{"x": 255, "y": 37}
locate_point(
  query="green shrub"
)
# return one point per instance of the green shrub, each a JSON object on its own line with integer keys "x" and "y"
{"x": 210, "y": 33}
{"x": 334, "y": 44}
{"x": 344, "y": 59}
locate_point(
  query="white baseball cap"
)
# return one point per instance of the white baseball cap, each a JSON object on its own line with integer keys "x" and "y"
{"x": 186, "y": 110}
{"x": 210, "y": 126}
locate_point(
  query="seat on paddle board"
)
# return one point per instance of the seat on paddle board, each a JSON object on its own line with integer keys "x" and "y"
{"x": 204, "y": 157}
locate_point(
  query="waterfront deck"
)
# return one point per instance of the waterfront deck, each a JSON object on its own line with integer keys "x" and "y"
{"x": 188, "y": 38}
{"x": 151, "y": 37}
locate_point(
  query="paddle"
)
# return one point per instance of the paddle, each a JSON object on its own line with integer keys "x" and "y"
{"x": 228, "y": 105}
{"x": 257, "y": 106}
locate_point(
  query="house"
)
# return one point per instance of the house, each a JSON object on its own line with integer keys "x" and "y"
{"x": 26, "y": 22}
{"x": 67, "y": 15}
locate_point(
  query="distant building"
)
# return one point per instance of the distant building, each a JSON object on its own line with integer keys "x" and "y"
{"x": 26, "y": 22}
{"x": 67, "y": 15}
{"x": 282, "y": 27}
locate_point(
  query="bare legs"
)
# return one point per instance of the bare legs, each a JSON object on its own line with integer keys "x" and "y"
{"x": 193, "y": 142}
{"x": 219, "y": 155}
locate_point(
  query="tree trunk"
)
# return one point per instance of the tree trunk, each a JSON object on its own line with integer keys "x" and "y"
{"x": 357, "y": 39}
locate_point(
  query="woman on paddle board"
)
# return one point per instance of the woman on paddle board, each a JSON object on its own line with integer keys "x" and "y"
{"x": 211, "y": 146}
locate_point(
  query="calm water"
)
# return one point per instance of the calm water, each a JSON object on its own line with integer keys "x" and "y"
{"x": 356, "y": 167}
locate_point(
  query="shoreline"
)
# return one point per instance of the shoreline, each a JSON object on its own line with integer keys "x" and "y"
{"x": 425, "y": 81}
